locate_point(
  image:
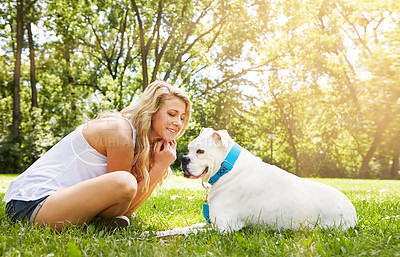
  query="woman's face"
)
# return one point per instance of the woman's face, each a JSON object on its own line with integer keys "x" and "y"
{"x": 168, "y": 121}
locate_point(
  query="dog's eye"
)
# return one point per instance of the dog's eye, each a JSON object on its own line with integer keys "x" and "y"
{"x": 200, "y": 151}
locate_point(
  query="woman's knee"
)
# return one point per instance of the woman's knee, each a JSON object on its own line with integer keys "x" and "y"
{"x": 124, "y": 184}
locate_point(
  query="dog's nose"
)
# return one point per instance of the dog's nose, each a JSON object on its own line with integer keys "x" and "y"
{"x": 185, "y": 160}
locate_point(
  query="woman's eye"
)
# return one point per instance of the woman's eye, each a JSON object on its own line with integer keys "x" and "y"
{"x": 200, "y": 151}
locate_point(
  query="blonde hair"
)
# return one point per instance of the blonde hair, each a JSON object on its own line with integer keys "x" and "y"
{"x": 141, "y": 114}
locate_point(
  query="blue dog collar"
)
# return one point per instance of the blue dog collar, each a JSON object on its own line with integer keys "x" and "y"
{"x": 227, "y": 164}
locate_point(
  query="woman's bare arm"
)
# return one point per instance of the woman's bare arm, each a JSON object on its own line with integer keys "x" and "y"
{"x": 164, "y": 156}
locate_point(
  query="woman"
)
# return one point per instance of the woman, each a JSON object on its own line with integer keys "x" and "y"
{"x": 106, "y": 168}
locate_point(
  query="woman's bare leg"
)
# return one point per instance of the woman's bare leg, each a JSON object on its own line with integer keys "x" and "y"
{"x": 107, "y": 196}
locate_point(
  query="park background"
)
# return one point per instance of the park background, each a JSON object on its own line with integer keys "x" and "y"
{"x": 322, "y": 76}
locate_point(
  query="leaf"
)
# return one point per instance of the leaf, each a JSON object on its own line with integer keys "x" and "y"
{"x": 73, "y": 250}
{"x": 242, "y": 241}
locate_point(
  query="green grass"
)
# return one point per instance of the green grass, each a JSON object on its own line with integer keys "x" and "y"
{"x": 179, "y": 204}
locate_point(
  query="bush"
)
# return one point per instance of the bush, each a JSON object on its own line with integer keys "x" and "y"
{"x": 10, "y": 156}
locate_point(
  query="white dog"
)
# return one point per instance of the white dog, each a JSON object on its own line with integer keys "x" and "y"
{"x": 248, "y": 191}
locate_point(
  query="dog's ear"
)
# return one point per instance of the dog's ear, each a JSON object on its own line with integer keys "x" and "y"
{"x": 206, "y": 130}
{"x": 221, "y": 137}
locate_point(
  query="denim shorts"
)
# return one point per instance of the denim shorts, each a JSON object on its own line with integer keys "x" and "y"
{"x": 24, "y": 210}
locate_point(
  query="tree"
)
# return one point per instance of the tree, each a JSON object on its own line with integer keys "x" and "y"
{"x": 322, "y": 75}
{"x": 371, "y": 28}
{"x": 32, "y": 66}
{"x": 23, "y": 8}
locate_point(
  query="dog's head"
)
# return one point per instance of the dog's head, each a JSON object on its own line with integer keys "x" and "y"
{"x": 206, "y": 153}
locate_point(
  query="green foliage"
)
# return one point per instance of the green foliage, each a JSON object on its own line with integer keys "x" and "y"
{"x": 10, "y": 156}
{"x": 322, "y": 75}
{"x": 178, "y": 203}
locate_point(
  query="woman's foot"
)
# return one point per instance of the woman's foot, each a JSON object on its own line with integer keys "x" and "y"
{"x": 114, "y": 222}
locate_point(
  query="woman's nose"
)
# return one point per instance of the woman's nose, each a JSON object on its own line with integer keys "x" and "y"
{"x": 177, "y": 121}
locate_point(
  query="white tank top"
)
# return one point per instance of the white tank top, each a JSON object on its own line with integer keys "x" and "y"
{"x": 70, "y": 161}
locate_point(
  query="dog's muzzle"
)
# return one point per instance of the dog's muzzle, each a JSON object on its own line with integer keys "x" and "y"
{"x": 185, "y": 162}
{"x": 186, "y": 173}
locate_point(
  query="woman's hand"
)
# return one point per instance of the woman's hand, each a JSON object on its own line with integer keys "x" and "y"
{"x": 164, "y": 155}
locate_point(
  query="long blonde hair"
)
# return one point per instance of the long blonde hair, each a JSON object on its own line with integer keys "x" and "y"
{"x": 141, "y": 113}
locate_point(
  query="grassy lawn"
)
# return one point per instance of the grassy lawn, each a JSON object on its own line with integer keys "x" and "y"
{"x": 179, "y": 204}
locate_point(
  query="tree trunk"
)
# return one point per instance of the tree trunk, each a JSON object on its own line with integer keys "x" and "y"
{"x": 69, "y": 79}
{"x": 364, "y": 170}
{"x": 381, "y": 127}
{"x": 395, "y": 165}
{"x": 394, "y": 173}
{"x": 289, "y": 127}
{"x": 15, "y": 128}
{"x": 295, "y": 153}
{"x": 143, "y": 46}
{"x": 32, "y": 66}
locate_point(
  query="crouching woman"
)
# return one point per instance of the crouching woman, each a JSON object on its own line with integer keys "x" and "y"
{"x": 106, "y": 168}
